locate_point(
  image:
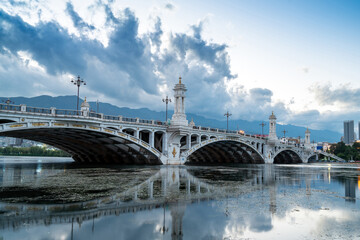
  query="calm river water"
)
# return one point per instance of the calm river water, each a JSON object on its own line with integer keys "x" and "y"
{"x": 53, "y": 198}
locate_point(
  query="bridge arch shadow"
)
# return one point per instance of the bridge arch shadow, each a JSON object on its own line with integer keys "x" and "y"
{"x": 91, "y": 144}
{"x": 223, "y": 151}
{"x": 287, "y": 156}
{"x": 2, "y": 121}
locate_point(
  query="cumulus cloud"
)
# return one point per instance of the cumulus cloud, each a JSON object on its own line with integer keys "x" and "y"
{"x": 77, "y": 20}
{"x": 326, "y": 95}
{"x": 131, "y": 69}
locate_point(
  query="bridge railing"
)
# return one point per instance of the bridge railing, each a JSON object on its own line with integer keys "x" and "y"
{"x": 108, "y": 117}
{"x": 95, "y": 115}
{"x": 10, "y": 107}
{"x": 160, "y": 123}
{"x": 38, "y": 110}
{"x": 74, "y": 113}
{"x": 125, "y": 119}
{"x": 67, "y": 112}
{"x": 145, "y": 121}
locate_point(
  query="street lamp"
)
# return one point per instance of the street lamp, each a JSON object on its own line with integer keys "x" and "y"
{"x": 227, "y": 114}
{"x": 284, "y": 132}
{"x": 163, "y": 229}
{"x": 262, "y": 124}
{"x": 8, "y": 101}
{"x": 166, "y": 101}
{"x": 78, "y": 83}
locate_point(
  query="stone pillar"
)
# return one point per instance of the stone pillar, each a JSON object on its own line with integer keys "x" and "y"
{"x": 53, "y": 111}
{"x": 23, "y": 107}
{"x": 137, "y": 133}
{"x": 164, "y": 143}
{"x": 151, "y": 138}
{"x": 188, "y": 141}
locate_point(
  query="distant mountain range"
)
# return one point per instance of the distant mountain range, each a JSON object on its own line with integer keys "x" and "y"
{"x": 252, "y": 127}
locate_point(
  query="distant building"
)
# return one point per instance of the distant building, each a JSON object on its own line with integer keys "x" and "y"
{"x": 349, "y": 132}
{"x": 18, "y": 141}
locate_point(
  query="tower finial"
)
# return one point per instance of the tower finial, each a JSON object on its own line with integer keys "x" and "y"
{"x": 180, "y": 80}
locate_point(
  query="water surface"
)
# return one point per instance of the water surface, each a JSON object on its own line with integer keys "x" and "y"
{"x": 54, "y": 198}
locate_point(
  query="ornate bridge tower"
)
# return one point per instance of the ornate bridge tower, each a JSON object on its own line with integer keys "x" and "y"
{"x": 272, "y": 127}
{"x": 179, "y": 128}
{"x": 272, "y": 140}
{"x": 179, "y": 116}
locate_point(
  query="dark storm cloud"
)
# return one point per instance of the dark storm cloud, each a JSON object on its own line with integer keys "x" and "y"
{"x": 59, "y": 52}
{"x": 124, "y": 69}
{"x": 77, "y": 20}
{"x": 48, "y": 43}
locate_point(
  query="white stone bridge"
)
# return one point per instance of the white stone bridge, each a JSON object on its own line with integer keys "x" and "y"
{"x": 98, "y": 138}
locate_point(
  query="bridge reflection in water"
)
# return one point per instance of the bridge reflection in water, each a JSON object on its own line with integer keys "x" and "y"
{"x": 167, "y": 195}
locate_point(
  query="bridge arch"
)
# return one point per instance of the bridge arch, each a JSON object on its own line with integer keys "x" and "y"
{"x": 287, "y": 156}
{"x": 129, "y": 131}
{"x": 86, "y": 143}
{"x": 204, "y": 137}
{"x": 195, "y": 139}
{"x": 214, "y": 151}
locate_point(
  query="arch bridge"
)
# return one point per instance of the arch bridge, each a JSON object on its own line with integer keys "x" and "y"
{"x": 91, "y": 137}
{"x": 95, "y": 137}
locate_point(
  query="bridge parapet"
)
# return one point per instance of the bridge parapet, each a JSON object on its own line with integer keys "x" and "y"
{"x": 73, "y": 114}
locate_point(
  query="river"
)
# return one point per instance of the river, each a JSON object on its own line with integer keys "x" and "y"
{"x": 55, "y": 198}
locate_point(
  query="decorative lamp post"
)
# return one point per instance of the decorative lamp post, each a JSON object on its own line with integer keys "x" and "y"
{"x": 163, "y": 229}
{"x": 78, "y": 82}
{"x": 8, "y": 101}
{"x": 262, "y": 128}
{"x": 227, "y": 114}
{"x": 284, "y": 132}
{"x": 166, "y": 101}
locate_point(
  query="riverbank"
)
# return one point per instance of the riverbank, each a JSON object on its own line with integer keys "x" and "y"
{"x": 32, "y": 152}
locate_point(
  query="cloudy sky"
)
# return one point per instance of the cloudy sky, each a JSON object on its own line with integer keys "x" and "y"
{"x": 300, "y": 59}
